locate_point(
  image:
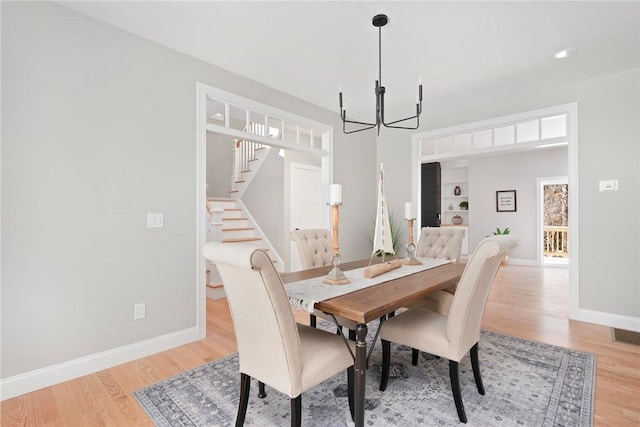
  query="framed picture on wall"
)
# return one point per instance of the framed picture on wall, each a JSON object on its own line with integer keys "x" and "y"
{"x": 506, "y": 201}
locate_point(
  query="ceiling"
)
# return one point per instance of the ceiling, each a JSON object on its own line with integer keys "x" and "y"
{"x": 464, "y": 51}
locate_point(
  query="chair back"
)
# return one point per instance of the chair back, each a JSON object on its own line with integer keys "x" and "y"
{"x": 467, "y": 307}
{"x": 315, "y": 246}
{"x": 440, "y": 242}
{"x": 268, "y": 342}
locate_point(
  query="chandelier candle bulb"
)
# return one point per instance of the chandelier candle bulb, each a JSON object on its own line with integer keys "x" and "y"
{"x": 335, "y": 194}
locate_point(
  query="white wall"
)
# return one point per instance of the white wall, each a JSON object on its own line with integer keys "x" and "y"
{"x": 518, "y": 172}
{"x": 608, "y": 141}
{"x": 99, "y": 128}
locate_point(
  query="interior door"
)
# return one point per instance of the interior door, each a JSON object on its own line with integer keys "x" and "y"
{"x": 430, "y": 195}
{"x": 306, "y": 204}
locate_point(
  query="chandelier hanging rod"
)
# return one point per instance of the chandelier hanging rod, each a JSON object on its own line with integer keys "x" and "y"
{"x": 380, "y": 21}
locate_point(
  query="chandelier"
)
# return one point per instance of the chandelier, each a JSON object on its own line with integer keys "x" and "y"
{"x": 380, "y": 21}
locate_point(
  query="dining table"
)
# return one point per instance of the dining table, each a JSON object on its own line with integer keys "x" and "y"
{"x": 372, "y": 303}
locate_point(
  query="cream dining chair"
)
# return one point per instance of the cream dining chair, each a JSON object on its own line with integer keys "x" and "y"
{"x": 315, "y": 248}
{"x": 451, "y": 336}
{"x": 440, "y": 243}
{"x": 272, "y": 347}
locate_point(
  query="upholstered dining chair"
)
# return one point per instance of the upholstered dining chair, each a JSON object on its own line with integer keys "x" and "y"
{"x": 440, "y": 243}
{"x": 272, "y": 347}
{"x": 451, "y": 336}
{"x": 315, "y": 248}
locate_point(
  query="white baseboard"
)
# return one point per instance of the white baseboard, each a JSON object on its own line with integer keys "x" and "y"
{"x": 619, "y": 321}
{"x": 522, "y": 261}
{"x": 45, "y": 377}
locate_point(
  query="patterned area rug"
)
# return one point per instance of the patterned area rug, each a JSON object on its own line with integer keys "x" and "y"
{"x": 527, "y": 384}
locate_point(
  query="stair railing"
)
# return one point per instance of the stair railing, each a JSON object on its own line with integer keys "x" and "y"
{"x": 245, "y": 152}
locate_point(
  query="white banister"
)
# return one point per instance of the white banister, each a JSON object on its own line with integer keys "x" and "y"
{"x": 215, "y": 220}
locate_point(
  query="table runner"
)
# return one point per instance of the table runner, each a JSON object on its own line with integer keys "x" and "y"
{"x": 304, "y": 294}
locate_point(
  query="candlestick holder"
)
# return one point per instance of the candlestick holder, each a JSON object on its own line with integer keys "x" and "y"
{"x": 411, "y": 248}
{"x": 336, "y": 276}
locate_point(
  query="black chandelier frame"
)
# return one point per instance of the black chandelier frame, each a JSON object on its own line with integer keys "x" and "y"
{"x": 380, "y": 21}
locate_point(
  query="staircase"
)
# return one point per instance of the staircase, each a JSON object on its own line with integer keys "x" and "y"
{"x": 229, "y": 220}
{"x": 230, "y": 223}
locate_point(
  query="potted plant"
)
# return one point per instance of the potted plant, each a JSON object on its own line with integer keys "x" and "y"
{"x": 506, "y": 230}
{"x": 464, "y": 205}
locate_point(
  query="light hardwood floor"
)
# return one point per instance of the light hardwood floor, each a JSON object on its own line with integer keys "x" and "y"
{"x": 527, "y": 302}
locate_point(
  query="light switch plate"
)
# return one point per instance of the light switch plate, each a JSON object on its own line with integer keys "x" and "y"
{"x": 609, "y": 185}
{"x": 155, "y": 220}
{"x": 139, "y": 311}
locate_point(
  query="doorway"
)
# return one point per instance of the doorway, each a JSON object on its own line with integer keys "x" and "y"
{"x": 553, "y": 221}
{"x": 224, "y": 113}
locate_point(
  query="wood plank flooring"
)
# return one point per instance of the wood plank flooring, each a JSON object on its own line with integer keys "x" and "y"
{"x": 527, "y": 302}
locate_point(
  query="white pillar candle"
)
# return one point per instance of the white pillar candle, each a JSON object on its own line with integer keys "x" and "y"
{"x": 335, "y": 194}
{"x": 408, "y": 210}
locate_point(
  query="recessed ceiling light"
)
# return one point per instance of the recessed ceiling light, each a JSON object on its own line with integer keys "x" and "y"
{"x": 565, "y": 53}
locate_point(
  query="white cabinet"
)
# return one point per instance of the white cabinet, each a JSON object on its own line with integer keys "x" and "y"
{"x": 455, "y": 197}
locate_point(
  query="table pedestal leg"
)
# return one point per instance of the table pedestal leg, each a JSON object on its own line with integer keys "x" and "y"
{"x": 360, "y": 373}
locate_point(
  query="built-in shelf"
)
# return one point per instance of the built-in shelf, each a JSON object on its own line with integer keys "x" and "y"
{"x": 455, "y": 174}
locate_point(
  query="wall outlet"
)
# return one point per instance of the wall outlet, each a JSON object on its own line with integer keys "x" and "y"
{"x": 139, "y": 311}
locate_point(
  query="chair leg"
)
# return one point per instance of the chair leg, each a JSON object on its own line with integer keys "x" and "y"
{"x": 476, "y": 368}
{"x": 455, "y": 387}
{"x": 245, "y": 385}
{"x": 414, "y": 356}
{"x": 386, "y": 362}
{"x": 296, "y": 411}
{"x": 312, "y": 320}
{"x": 261, "y": 392}
{"x": 351, "y": 389}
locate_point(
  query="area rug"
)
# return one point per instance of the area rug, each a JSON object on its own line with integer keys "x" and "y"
{"x": 527, "y": 384}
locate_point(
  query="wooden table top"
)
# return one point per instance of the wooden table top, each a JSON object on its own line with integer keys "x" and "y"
{"x": 371, "y": 303}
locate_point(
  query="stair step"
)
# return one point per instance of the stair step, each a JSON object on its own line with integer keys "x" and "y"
{"x": 239, "y": 182}
{"x": 224, "y": 203}
{"x": 238, "y": 229}
{"x": 231, "y": 214}
{"x": 255, "y": 159}
{"x": 246, "y": 171}
{"x": 238, "y": 233}
{"x": 233, "y": 191}
{"x": 220, "y": 199}
{"x": 241, "y": 240}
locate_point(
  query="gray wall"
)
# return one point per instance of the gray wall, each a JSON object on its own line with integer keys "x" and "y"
{"x": 510, "y": 172}
{"x": 99, "y": 128}
{"x": 220, "y": 157}
{"x": 609, "y": 135}
{"x": 265, "y": 199}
